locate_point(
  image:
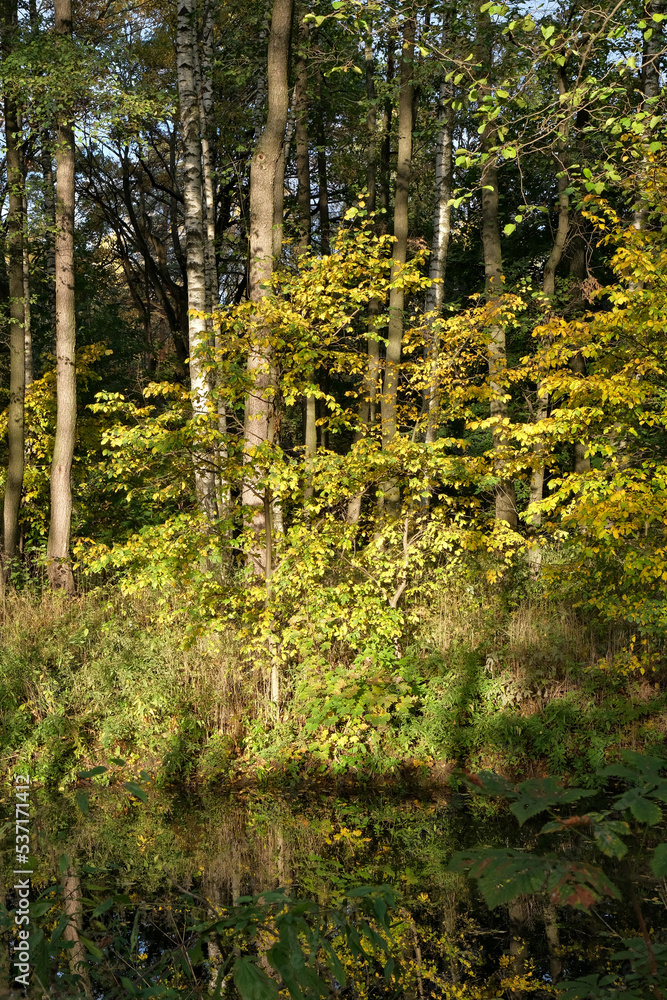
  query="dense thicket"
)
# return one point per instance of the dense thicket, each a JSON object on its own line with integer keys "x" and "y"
{"x": 367, "y": 303}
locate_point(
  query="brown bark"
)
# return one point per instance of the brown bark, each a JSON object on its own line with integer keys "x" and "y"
{"x": 385, "y": 144}
{"x": 505, "y": 502}
{"x": 49, "y": 198}
{"x": 15, "y": 223}
{"x": 259, "y": 417}
{"x": 444, "y": 175}
{"x": 59, "y": 566}
{"x": 73, "y": 907}
{"x": 301, "y": 134}
{"x": 549, "y": 288}
{"x": 400, "y": 250}
{"x": 322, "y": 179}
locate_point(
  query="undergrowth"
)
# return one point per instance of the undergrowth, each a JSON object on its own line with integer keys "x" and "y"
{"x": 524, "y": 690}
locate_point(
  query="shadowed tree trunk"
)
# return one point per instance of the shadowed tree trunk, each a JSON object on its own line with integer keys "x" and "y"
{"x": 15, "y": 222}
{"x": 322, "y": 179}
{"x": 264, "y": 170}
{"x": 549, "y": 289}
{"x": 73, "y": 907}
{"x": 505, "y": 503}
{"x": 303, "y": 202}
{"x": 400, "y": 251}
{"x": 441, "y": 232}
{"x": 190, "y": 115}
{"x": 59, "y": 566}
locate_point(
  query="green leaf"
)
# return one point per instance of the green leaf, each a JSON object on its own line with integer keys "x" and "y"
{"x": 252, "y": 982}
{"x": 63, "y": 863}
{"x": 92, "y": 948}
{"x": 659, "y": 861}
{"x": 136, "y": 790}
{"x": 82, "y": 802}
{"x": 509, "y": 229}
{"x": 103, "y": 907}
{"x": 607, "y": 839}
{"x": 92, "y": 773}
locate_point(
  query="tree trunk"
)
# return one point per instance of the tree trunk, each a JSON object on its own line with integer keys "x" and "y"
{"x": 264, "y": 169}
{"x": 400, "y": 251}
{"x": 444, "y": 174}
{"x": 301, "y": 127}
{"x": 73, "y": 908}
{"x": 15, "y": 223}
{"x": 549, "y": 288}
{"x": 303, "y": 201}
{"x": 505, "y": 503}
{"x": 368, "y": 404}
{"x": 385, "y": 144}
{"x": 322, "y": 180}
{"x": 190, "y": 105}
{"x": 49, "y": 199}
{"x": 59, "y": 566}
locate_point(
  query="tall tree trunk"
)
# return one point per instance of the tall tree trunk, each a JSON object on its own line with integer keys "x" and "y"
{"x": 264, "y": 169}
{"x": 368, "y": 404}
{"x": 505, "y": 502}
{"x": 303, "y": 202}
{"x": 650, "y": 81}
{"x": 322, "y": 179}
{"x": 73, "y": 907}
{"x": 59, "y": 566}
{"x": 49, "y": 200}
{"x": 15, "y": 223}
{"x": 444, "y": 174}
{"x": 190, "y": 109}
{"x": 301, "y": 135}
{"x": 385, "y": 144}
{"x": 549, "y": 288}
{"x": 400, "y": 251}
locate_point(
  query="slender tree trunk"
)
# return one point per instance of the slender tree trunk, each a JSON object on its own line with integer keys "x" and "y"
{"x": 444, "y": 174}
{"x": 49, "y": 200}
{"x": 494, "y": 281}
{"x": 73, "y": 908}
{"x": 650, "y": 80}
{"x": 190, "y": 112}
{"x": 303, "y": 202}
{"x": 385, "y": 144}
{"x": 15, "y": 222}
{"x": 322, "y": 179}
{"x": 264, "y": 169}
{"x": 301, "y": 134}
{"x": 549, "y": 288}
{"x": 368, "y": 404}
{"x": 400, "y": 251}
{"x": 59, "y": 566}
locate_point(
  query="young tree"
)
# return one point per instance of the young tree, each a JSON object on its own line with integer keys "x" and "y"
{"x": 59, "y": 566}
{"x": 264, "y": 171}
{"x": 15, "y": 224}
{"x": 400, "y": 251}
{"x": 191, "y": 119}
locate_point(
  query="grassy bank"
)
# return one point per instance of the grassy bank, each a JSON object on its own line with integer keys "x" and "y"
{"x": 524, "y": 689}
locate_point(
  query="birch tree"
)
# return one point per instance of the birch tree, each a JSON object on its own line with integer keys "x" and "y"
{"x": 190, "y": 115}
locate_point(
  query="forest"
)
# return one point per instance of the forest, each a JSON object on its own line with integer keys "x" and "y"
{"x": 333, "y": 463}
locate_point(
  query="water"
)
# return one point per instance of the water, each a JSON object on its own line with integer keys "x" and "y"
{"x": 143, "y": 876}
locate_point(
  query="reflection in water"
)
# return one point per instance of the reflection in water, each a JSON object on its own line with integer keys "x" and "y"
{"x": 145, "y": 875}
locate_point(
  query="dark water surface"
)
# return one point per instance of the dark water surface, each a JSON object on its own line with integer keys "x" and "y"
{"x": 142, "y": 875}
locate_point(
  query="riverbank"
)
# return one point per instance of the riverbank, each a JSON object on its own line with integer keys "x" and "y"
{"x": 525, "y": 690}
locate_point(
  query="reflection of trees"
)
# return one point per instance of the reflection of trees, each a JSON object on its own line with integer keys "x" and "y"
{"x": 73, "y": 908}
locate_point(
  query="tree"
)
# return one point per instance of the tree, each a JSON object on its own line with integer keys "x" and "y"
{"x": 259, "y": 423}
{"x": 17, "y": 307}
{"x": 59, "y": 566}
